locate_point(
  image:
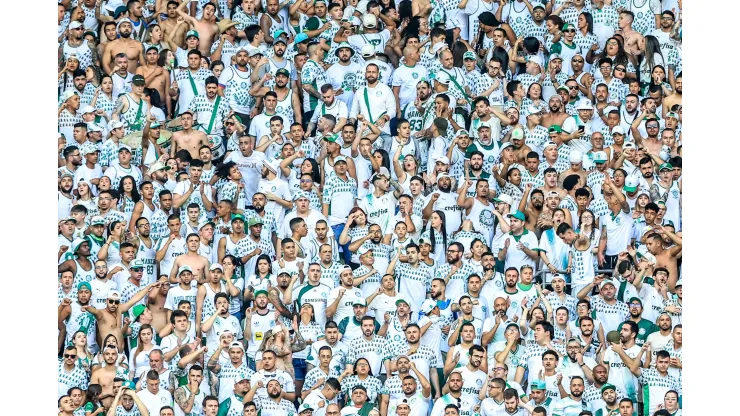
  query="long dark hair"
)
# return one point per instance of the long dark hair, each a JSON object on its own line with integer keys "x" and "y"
{"x": 413, "y": 26}
{"x": 386, "y": 163}
{"x": 620, "y": 57}
{"x": 315, "y": 174}
{"x": 369, "y": 367}
{"x": 92, "y": 395}
{"x": 589, "y": 22}
{"x": 134, "y": 192}
{"x": 458, "y": 50}
{"x": 443, "y": 227}
{"x": 501, "y": 54}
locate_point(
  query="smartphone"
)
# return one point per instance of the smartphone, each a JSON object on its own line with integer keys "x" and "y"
{"x": 581, "y": 128}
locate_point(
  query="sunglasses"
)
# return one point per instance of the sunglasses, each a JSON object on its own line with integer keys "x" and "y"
{"x": 70, "y": 355}
{"x": 229, "y": 123}
{"x": 579, "y": 61}
{"x": 306, "y": 181}
{"x": 570, "y": 31}
{"x": 620, "y": 69}
{"x": 114, "y": 302}
{"x": 575, "y": 87}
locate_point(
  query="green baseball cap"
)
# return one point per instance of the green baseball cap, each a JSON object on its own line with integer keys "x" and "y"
{"x": 84, "y": 285}
{"x": 260, "y": 292}
{"x": 237, "y": 217}
{"x": 517, "y": 214}
{"x": 137, "y": 310}
{"x": 555, "y": 129}
{"x": 568, "y": 26}
{"x": 185, "y": 268}
{"x": 606, "y": 387}
{"x": 331, "y": 139}
{"x": 282, "y": 71}
{"x": 469, "y": 55}
{"x": 400, "y": 301}
{"x": 255, "y": 221}
{"x": 635, "y": 298}
{"x": 191, "y": 33}
{"x": 665, "y": 166}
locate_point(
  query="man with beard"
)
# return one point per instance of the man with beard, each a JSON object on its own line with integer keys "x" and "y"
{"x": 412, "y": 276}
{"x": 288, "y": 104}
{"x": 478, "y": 209}
{"x": 127, "y": 398}
{"x": 110, "y": 319}
{"x": 275, "y": 190}
{"x": 273, "y": 402}
{"x": 313, "y": 77}
{"x": 608, "y": 403}
{"x": 473, "y": 377}
{"x": 234, "y": 370}
{"x": 423, "y": 359}
{"x": 413, "y": 112}
{"x": 575, "y": 365}
{"x": 370, "y": 346}
{"x": 330, "y": 105}
{"x": 454, "y": 272}
{"x": 515, "y": 407}
{"x": 339, "y": 349}
{"x": 342, "y": 299}
{"x": 77, "y": 46}
{"x": 72, "y": 316}
{"x": 444, "y": 200}
{"x": 188, "y": 82}
{"x": 393, "y": 386}
{"x": 418, "y": 401}
{"x": 234, "y": 85}
{"x": 210, "y": 110}
{"x": 659, "y": 339}
{"x": 593, "y": 394}
{"x": 126, "y": 45}
{"x": 676, "y": 98}
{"x": 379, "y": 109}
{"x": 343, "y": 76}
{"x": 474, "y": 173}
{"x": 620, "y": 359}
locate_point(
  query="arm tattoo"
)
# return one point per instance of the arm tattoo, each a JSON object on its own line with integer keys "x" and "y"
{"x": 180, "y": 397}
{"x": 119, "y": 106}
{"x": 298, "y": 343}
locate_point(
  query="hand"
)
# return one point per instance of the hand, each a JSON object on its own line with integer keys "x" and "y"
{"x": 387, "y": 317}
{"x": 507, "y": 243}
{"x": 68, "y": 301}
{"x": 126, "y": 321}
{"x": 446, "y": 329}
{"x": 457, "y": 357}
{"x": 294, "y": 323}
{"x": 435, "y": 197}
{"x": 559, "y": 378}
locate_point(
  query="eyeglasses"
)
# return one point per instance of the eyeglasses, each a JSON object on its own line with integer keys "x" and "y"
{"x": 666, "y": 18}
{"x": 453, "y": 251}
{"x": 573, "y": 87}
{"x": 499, "y": 369}
{"x": 306, "y": 181}
{"x": 570, "y": 31}
{"x": 619, "y": 69}
{"x": 70, "y": 355}
{"x": 607, "y": 67}
{"x": 578, "y": 61}
{"x": 612, "y": 43}
{"x": 144, "y": 225}
{"x": 635, "y": 304}
{"x": 652, "y": 127}
{"x": 114, "y": 302}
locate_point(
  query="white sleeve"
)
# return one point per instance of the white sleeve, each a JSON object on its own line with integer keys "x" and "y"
{"x": 656, "y": 7}
{"x": 355, "y": 105}
{"x": 225, "y": 77}
{"x": 390, "y": 104}
{"x": 316, "y": 114}
{"x": 343, "y": 112}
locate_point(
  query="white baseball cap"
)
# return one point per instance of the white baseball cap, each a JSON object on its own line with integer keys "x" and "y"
{"x": 369, "y": 21}
{"x": 87, "y": 109}
{"x": 367, "y": 50}
{"x": 618, "y": 130}
{"x": 585, "y": 104}
{"x": 442, "y": 78}
{"x": 575, "y": 156}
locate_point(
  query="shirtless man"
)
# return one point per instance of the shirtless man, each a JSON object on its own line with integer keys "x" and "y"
{"x": 271, "y": 15}
{"x": 533, "y": 209}
{"x": 105, "y": 376}
{"x": 155, "y": 76}
{"x": 125, "y": 44}
{"x": 666, "y": 257}
{"x": 110, "y": 319}
{"x": 156, "y": 304}
{"x": 206, "y": 27}
{"x": 188, "y": 138}
{"x": 675, "y": 98}
{"x": 521, "y": 150}
{"x": 557, "y": 114}
{"x": 576, "y": 168}
{"x": 199, "y": 264}
{"x": 632, "y": 38}
{"x": 169, "y": 25}
{"x": 551, "y": 184}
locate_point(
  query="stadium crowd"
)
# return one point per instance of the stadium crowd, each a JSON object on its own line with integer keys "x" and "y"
{"x": 373, "y": 208}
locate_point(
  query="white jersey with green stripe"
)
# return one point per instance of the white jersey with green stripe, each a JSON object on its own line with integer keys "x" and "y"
{"x": 317, "y": 296}
{"x": 654, "y": 387}
{"x": 312, "y": 74}
{"x": 621, "y": 376}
